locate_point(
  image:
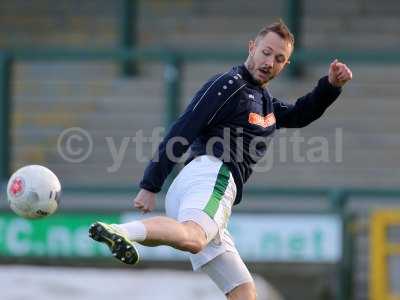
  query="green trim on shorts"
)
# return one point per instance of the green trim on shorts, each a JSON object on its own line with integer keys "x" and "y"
{"x": 218, "y": 191}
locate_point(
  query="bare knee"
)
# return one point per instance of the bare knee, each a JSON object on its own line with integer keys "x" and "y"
{"x": 195, "y": 238}
{"x": 245, "y": 291}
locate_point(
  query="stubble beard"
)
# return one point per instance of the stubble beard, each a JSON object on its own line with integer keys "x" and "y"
{"x": 251, "y": 67}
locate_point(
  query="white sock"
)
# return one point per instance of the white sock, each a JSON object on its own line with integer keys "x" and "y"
{"x": 134, "y": 231}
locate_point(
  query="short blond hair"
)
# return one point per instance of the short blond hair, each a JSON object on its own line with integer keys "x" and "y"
{"x": 280, "y": 29}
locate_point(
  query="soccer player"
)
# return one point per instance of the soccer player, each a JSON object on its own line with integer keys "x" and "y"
{"x": 227, "y": 126}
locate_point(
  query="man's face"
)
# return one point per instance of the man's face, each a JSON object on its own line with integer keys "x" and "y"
{"x": 268, "y": 56}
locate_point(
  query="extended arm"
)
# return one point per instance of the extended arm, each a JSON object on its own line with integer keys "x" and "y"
{"x": 311, "y": 106}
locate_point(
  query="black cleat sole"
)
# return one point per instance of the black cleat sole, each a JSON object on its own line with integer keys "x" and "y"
{"x": 120, "y": 248}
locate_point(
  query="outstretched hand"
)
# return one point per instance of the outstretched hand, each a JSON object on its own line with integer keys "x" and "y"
{"x": 145, "y": 201}
{"x": 339, "y": 73}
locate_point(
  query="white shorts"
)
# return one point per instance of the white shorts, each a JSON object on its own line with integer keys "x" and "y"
{"x": 227, "y": 271}
{"x": 204, "y": 192}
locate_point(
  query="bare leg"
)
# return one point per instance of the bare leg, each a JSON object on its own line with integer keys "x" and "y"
{"x": 186, "y": 236}
{"x": 245, "y": 291}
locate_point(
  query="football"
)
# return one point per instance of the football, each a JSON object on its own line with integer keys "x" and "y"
{"x": 34, "y": 192}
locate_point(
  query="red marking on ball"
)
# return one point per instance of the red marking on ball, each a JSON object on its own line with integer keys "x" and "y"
{"x": 17, "y": 187}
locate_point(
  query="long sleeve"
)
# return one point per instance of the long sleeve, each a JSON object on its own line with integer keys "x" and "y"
{"x": 210, "y": 103}
{"x": 307, "y": 108}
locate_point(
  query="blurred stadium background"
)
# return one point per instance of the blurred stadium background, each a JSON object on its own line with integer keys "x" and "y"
{"x": 322, "y": 225}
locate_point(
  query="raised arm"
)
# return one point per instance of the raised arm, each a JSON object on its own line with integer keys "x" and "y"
{"x": 311, "y": 106}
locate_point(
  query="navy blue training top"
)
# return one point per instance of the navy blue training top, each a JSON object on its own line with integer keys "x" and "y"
{"x": 233, "y": 118}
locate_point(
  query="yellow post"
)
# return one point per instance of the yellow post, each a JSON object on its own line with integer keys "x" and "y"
{"x": 380, "y": 249}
